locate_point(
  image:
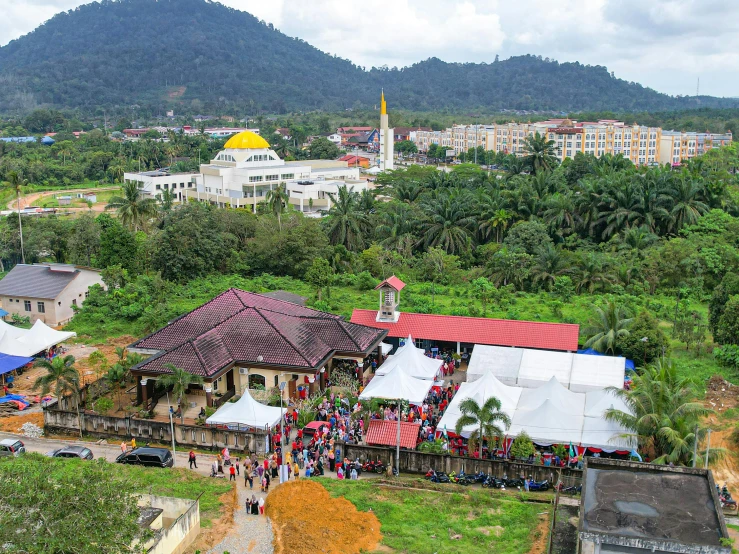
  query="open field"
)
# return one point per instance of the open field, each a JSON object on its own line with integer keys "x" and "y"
{"x": 450, "y": 521}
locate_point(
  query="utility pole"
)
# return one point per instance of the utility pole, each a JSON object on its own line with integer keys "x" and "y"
{"x": 708, "y": 447}
{"x": 695, "y": 446}
{"x": 171, "y": 430}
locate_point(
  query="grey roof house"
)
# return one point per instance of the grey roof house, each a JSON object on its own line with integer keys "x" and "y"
{"x": 46, "y": 291}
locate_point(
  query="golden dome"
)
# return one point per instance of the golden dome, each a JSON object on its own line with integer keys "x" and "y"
{"x": 244, "y": 140}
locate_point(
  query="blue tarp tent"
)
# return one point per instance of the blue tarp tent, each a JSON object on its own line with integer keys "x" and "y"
{"x": 591, "y": 352}
{"x": 3, "y": 313}
{"x": 9, "y": 363}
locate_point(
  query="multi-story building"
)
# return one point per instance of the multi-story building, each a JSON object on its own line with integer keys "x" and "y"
{"x": 640, "y": 144}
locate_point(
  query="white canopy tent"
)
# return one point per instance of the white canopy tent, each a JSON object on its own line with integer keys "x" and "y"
{"x": 564, "y": 400}
{"x": 547, "y": 424}
{"x": 486, "y": 387}
{"x": 385, "y": 348}
{"x": 539, "y": 366}
{"x": 504, "y": 362}
{"x": 246, "y": 412}
{"x": 412, "y": 361}
{"x": 529, "y": 368}
{"x": 397, "y": 385}
{"x": 549, "y": 414}
{"x": 29, "y": 342}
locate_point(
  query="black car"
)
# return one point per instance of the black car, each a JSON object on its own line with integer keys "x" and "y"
{"x": 81, "y": 452}
{"x": 145, "y": 456}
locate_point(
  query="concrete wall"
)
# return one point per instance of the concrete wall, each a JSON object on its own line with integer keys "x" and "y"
{"x": 184, "y": 527}
{"x": 124, "y": 428}
{"x": 420, "y": 462}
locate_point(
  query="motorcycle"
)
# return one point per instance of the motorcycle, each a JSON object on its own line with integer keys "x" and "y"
{"x": 374, "y": 467}
{"x": 727, "y": 501}
{"x": 512, "y": 483}
{"x": 539, "y": 485}
{"x": 439, "y": 477}
{"x": 492, "y": 483}
{"x": 480, "y": 477}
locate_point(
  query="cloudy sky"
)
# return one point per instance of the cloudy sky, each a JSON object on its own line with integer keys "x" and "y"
{"x": 664, "y": 44}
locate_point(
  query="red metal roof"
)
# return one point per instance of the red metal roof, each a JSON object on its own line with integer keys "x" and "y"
{"x": 477, "y": 330}
{"x": 385, "y": 432}
{"x": 242, "y": 327}
{"x": 394, "y": 282}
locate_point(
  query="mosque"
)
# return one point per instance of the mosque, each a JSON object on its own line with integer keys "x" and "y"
{"x": 247, "y": 169}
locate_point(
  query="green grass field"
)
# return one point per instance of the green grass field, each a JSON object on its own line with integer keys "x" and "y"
{"x": 424, "y": 522}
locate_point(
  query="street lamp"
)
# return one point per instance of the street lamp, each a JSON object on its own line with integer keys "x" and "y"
{"x": 171, "y": 429}
{"x": 645, "y": 340}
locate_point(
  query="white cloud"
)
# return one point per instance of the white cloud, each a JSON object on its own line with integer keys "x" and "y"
{"x": 664, "y": 44}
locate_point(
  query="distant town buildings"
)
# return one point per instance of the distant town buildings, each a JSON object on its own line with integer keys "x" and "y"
{"x": 641, "y": 144}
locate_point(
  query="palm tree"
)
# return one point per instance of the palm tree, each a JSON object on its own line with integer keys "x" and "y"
{"x": 134, "y": 210}
{"x": 61, "y": 377}
{"x": 609, "y": 325}
{"x": 550, "y": 263}
{"x": 396, "y": 222}
{"x": 540, "y": 153}
{"x": 447, "y": 222}
{"x": 687, "y": 206}
{"x": 663, "y": 413}
{"x": 561, "y": 214}
{"x": 166, "y": 200}
{"x": 16, "y": 182}
{"x": 488, "y": 418}
{"x": 116, "y": 377}
{"x": 346, "y": 223}
{"x": 180, "y": 380}
{"x": 277, "y": 200}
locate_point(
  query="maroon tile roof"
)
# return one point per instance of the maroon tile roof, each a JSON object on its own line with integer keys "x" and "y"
{"x": 386, "y": 433}
{"x": 477, "y": 330}
{"x": 239, "y": 326}
{"x": 394, "y": 282}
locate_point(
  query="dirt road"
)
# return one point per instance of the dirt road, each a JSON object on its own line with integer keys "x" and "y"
{"x": 33, "y": 198}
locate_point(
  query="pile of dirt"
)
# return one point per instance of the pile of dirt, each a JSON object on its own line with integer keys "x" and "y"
{"x": 332, "y": 525}
{"x": 721, "y": 395}
{"x": 14, "y": 423}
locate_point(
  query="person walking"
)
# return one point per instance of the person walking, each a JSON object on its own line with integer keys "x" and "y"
{"x": 192, "y": 459}
{"x": 296, "y": 471}
{"x": 261, "y": 506}
{"x": 353, "y": 476}
{"x": 133, "y": 443}
{"x": 248, "y": 479}
{"x": 254, "y": 505}
{"x": 232, "y": 473}
{"x": 123, "y": 447}
{"x": 237, "y": 466}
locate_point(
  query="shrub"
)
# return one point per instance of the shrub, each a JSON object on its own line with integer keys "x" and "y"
{"x": 522, "y": 446}
{"x": 365, "y": 281}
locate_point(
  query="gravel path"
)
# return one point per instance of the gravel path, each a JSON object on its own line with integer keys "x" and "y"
{"x": 250, "y": 534}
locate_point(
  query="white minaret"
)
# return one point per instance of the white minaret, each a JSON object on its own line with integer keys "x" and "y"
{"x": 387, "y": 138}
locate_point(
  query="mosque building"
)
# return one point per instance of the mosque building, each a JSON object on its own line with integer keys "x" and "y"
{"x": 242, "y": 174}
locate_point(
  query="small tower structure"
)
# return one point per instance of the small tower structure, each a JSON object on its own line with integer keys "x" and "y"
{"x": 389, "y": 299}
{"x": 387, "y": 138}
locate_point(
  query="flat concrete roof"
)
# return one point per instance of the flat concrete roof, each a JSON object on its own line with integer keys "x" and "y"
{"x": 675, "y": 509}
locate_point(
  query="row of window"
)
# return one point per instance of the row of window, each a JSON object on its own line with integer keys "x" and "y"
{"x": 260, "y": 158}
{"x": 275, "y": 177}
{"x": 174, "y": 186}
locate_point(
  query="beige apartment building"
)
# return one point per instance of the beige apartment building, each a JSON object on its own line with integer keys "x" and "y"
{"x": 642, "y": 145}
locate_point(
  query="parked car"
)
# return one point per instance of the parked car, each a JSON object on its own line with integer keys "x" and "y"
{"x": 11, "y": 447}
{"x": 146, "y": 456}
{"x": 81, "y": 452}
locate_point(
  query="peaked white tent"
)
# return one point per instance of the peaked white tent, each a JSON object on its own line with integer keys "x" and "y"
{"x": 29, "y": 342}
{"x": 397, "y": 385}
{"x": 553, "y": 391}
{"x": 412, "y": 361}
{"x": 547, "y": 424}
{"x": 538, "y": 366}
{"x": 481, "y": 390}
{"x": 246, "y": 412}
{"x": 599, "y": 432}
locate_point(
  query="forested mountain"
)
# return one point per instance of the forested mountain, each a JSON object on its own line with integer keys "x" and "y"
{"x": 199, "y": 56}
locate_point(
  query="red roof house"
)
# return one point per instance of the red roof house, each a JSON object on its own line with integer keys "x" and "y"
{"x": 385, "y": 433}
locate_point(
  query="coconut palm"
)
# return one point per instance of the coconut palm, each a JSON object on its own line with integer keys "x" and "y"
{"x": 62, "y": 378}
{"x": 180, "y": 380}
{"x": 396, "y": 222}
{"x": 488, "y": 419}
{"x": 16, "y": 182}
{"x": 561, "y": 214}
{"x": 663, "y": 413}
{"x": 609, "y": 325}
{"x": 133, "y": 209}
{"x": 346, "y": 223}
{"x": 277, "y": 200}
{"x": 540, "y": 153}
